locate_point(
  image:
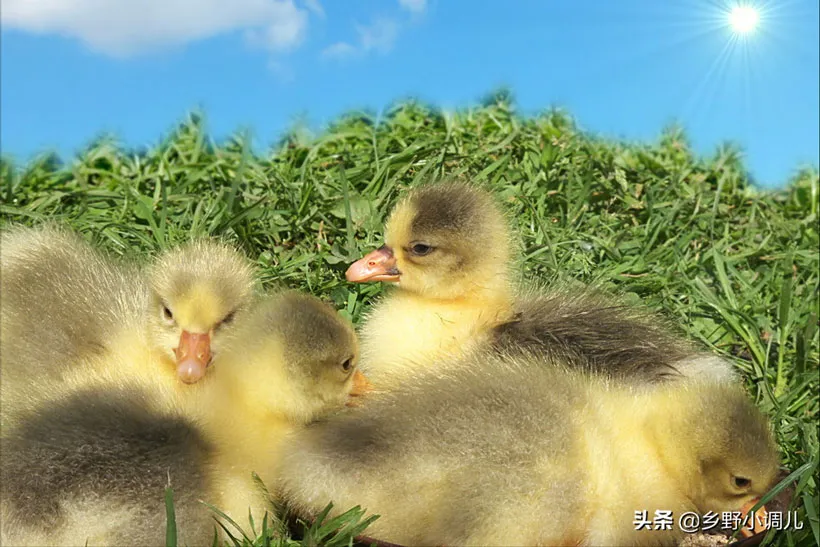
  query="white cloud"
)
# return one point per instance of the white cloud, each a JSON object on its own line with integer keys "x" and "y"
{"x": 339, "y": 50}
{"x": 379, "y": 36}
{"x": 127, "y": 27}
{"x": 416, "y": 6}
{"x": 315, "y": 7}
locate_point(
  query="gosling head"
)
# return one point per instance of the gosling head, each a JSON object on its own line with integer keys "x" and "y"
{"x": 198, "y": 290}
{"x": 735, "y": 456}
{"x": 443, "y": 241}
{"x": 294, "y": 357}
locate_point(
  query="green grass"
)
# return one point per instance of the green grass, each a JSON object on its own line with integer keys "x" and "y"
{"x": 339, "y": 531}
{"x": 688, "y": 236}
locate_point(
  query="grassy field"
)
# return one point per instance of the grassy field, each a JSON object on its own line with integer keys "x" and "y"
{"x": 734, "y": 266}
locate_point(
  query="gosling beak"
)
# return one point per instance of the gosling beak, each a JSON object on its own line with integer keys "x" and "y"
{"x": 757, "y": 522}
{"x": 360, "y": 388}
{"x": 193, "y": 356}
{"x": 379, "y": 265}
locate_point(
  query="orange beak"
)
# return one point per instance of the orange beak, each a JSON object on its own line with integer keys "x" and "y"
{"x": 379, "y": 265}
{"x": 193, "y": 356}
{"x": 360, "y": 388}
{"x": 757, "y": 522}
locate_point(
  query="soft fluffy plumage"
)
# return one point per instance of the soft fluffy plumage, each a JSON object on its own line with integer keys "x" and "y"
{"x": 69, "y": 312}
{"x": 197, "y": 291}
{"x": 584, "y": 328}
{"x": 517, "y": 451}
{"x": 93, "y": 466}
{"x": 97, "y": 455}
{"x": 448, "y": 251}
{"x": 62, "y": 300}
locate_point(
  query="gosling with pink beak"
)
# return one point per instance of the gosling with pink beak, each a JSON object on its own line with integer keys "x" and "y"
{"x": 72, "y": 314}
{"x": 448, "y": 253}
{"x": 198, "y": 290}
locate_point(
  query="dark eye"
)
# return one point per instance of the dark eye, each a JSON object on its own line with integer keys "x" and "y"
{"x": 421, "y": 249}
{"x": 228, "y": 319}
{"x": 167, "y": 314}
{"x": 347, "y": 364}
{"x": 740, "y": 482}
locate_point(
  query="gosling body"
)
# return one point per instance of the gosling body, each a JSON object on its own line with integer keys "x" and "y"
{"x": 71, "y": 315}
{"x": 520, "y": 452}
{"x": 448, "y": 254}
{"x": 93, "y": 466}
{"x": 62, "y": 301}
{"x": 97, "y": 457}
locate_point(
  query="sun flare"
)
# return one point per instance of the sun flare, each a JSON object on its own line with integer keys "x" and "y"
{"x": 744, "y": 19}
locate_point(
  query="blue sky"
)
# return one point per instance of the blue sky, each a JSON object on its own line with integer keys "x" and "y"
{"x": 72, "y": 69}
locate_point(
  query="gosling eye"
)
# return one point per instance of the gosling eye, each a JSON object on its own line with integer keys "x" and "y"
{"x": 227, "y": 320}
{"x": 420, "y": 249}
{"x": 347, "y": 364}
{"x": 742, "y": 483}
{"x": 167, "y": 314}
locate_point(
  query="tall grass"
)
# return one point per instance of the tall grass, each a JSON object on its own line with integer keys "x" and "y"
{"x": 735, "y": 266}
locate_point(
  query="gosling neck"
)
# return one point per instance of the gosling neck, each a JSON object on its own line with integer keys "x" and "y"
{"x": 673, "y": 433}
{"x": 489, "y": 291}
{"x": 238, "y": 424}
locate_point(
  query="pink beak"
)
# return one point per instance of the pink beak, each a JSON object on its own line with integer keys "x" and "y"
{"x": 379, "y": 265}
{"x": 193, "y": 356}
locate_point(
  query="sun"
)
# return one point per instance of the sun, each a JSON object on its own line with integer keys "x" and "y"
{"x": 744, "y": 19}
